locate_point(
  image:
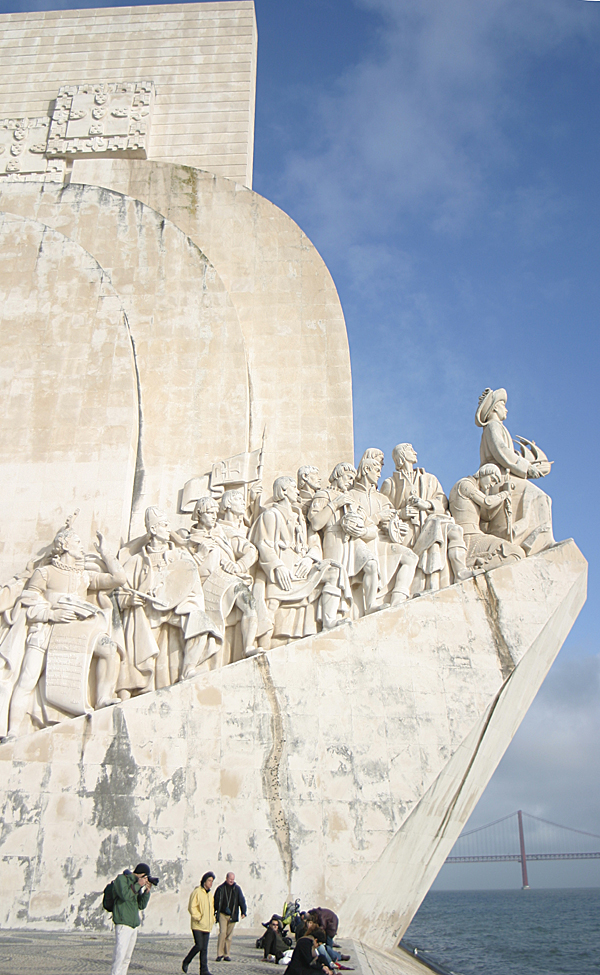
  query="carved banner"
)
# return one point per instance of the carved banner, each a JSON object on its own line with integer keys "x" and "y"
{"x": 68, "y": 663}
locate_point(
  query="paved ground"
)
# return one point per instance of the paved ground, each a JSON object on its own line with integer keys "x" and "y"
{"x": 50, "y": 953}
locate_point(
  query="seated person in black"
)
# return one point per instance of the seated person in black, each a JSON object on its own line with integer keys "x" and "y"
{"x": 304, "y": 925}
{"x": 274, "y": 946}
{"x": 306, "y": 957}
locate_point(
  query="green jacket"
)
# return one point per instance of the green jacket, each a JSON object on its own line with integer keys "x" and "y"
{"x": 129, "y": 900}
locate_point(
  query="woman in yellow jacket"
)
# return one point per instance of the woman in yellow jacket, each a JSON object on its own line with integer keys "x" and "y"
{"x": 202, "y": 910}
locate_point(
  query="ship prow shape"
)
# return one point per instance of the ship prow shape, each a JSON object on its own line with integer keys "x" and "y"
{"x": 340, "y": 768}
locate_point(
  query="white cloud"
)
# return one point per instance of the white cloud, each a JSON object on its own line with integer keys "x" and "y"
{"x": 420, "y": 127}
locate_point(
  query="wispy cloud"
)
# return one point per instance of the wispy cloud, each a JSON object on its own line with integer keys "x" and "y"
{"x": 420, "y": 126}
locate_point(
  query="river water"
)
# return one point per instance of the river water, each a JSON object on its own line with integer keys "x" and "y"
{"x": 511, "y": 932}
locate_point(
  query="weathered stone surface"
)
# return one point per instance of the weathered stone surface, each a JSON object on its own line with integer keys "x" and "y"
{"x": 212, "y": 358}
{"x": 308, "y": 769}
{"x": 200, "y": 56}
{"x": 68, "y": 371}
{"x": 188, "y": 364}
{"x": 285, "y": 298}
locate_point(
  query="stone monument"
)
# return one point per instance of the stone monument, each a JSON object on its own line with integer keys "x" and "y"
{"x": 242, "y": 675}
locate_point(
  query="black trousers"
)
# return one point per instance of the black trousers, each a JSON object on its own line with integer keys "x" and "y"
{"x": 200, "y": 945}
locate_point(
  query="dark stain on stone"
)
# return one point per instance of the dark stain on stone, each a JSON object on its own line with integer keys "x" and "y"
{"x": 114, "y": 806}
{"x": 71, "y": 872}
{"x": 490, "y": 604}
{"x": 89, "y": 913}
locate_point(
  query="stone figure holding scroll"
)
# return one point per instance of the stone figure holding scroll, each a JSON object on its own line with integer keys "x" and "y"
{"x": 65, "y": 632}
{"x": 473, "y": 504}
{"x": 531, "y": 521}
{"x": 397, "y": 563}
{"x": 292, "y": 576}
{"x": 162, "y": 603}
{"x": 432, "y": 533}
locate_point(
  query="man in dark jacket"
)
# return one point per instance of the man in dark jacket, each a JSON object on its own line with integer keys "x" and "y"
{"x": 229, "y": 900}
{"x": 327, "y": 920}
{"x": 131, "y": 895}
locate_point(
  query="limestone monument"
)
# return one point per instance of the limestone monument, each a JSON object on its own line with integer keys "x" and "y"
{"x": 242, "y": 675}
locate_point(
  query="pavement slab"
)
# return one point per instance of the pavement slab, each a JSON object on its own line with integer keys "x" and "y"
{"x": 55, "y": 953}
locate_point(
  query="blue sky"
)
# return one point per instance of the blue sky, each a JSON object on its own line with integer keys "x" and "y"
{"x": 443, "y": 156}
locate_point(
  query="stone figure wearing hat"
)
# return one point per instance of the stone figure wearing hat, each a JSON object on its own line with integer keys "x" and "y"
{"x": 530, "y": 521}
{"x": 496, "y": 442}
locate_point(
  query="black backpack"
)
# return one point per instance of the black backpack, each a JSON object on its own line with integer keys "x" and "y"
{"x": 108, "y": 897}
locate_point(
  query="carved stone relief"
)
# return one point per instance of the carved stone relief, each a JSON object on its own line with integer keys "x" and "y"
{"x": 102, "y": 118}
{"x": 252, "y": 572}
{"x": 22, "y": 149}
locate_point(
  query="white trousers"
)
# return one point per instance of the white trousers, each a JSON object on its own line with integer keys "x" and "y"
{"x": 125, "y": 939}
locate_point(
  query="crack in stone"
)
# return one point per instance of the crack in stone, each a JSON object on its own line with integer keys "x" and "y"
{"x": 490, "y": 604}
{"x": 270, "y": 774}
{"x": 140, "y": 473}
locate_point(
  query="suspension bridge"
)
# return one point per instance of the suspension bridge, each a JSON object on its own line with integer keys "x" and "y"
{"x": 521, "y": 837}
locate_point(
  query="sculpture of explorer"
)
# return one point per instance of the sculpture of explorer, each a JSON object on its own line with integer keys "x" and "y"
{"x": 531, "y": 522}
{"x": 397, "y": 563}
{"x": 224, "y": 557}
{"x": 433, "y": 535}
{"x": 163, "y": 610}
{"x": 293, "y": 578}
{"x": 65, "y": 631}
{"x": 345, "y": 533}
{"x": 473, "y": 505}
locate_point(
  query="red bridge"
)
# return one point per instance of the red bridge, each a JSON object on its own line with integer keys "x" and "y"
{"x": 504, "y": 840}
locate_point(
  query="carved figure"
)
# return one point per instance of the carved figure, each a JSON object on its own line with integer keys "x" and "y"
{"x": 423, "y": 506}
{"x": 292, "y": 576}
{"x": 496, "y": 442}
{"x": 164, "y": 619}
{"x": 224, "y": 557}
{"x": 473, "y": 504}
{"x": 346, "y": 531}
{"x": 65, "y": 631}
{"x": 309, "y": 482}
{"x": 531, "y": 526}
{"x": 397, "y": 563}
{"x": 233, "y": 519}
{"x": 12, "y": 638}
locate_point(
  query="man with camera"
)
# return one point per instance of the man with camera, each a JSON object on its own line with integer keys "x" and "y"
{"x": 131, "y": 893}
